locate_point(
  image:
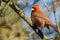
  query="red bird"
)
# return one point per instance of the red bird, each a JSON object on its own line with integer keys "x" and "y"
{"x": 39, "y": 19}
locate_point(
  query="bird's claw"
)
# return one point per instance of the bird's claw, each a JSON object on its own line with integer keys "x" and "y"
{"x": 36, "y": 30}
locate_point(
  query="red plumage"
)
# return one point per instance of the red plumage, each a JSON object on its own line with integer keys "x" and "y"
{"x": 40, "y": 19}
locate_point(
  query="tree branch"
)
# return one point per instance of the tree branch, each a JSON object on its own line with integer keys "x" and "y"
{"x": 46, "y": 6}
{"x": 51, "y": 7}
{"x": 55, "y": 13}
{"x": 20, "y": 13}
{"x": 3, "y": 10}
{"x": 57, "y": 25}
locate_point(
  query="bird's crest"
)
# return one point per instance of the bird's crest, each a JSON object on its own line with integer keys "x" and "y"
{"x": 36, "y": 7}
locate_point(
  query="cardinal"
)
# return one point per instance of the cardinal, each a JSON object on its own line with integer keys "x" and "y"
{"x": 39, "y": 19}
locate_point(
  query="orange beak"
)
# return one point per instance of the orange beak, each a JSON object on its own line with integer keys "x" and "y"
{"x": 32, "y": 9}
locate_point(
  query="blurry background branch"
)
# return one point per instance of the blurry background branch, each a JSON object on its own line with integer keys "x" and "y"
{"x": 12, "y": 20}
{"x": 55, "y": 14}
{"x": 4, "y": 8}
{"x": 57, "y": 3}
{"x": 46, "y": 6}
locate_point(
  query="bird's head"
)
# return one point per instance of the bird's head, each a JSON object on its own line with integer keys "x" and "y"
{"x": 35, "y": 8}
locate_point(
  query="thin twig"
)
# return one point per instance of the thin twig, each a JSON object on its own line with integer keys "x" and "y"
{"x": 46, "y": 6}
{"x": 3, "y": 10}
{"x": 55, "y": 15}
{"x": 48, "y": 9}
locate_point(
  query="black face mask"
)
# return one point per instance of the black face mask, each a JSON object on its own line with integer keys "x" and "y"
{"x": 34, "y": 9}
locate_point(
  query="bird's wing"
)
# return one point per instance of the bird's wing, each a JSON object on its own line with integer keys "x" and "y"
{"x": 42, "y": 15}
{"x": 41, "y": 18}
{"x": 33, "y": 18}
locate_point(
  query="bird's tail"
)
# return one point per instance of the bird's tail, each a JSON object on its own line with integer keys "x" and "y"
{"x": 38, "y": 31}
{"x": 54, "y": 28}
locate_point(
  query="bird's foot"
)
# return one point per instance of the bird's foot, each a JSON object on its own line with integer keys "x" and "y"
{"x": 42, "y": 27}
{"x": 36, "y": 30}
{"x": 45, "y": 38}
